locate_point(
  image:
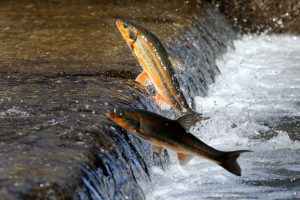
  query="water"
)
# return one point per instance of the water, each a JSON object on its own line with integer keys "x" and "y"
{"x": 259, "y": 86}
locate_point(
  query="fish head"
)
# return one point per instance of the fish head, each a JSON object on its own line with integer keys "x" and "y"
{"x": 128, "y": 29}
{"x": 125, "y": 118}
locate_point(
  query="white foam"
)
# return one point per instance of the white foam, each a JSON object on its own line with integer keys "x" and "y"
{"x": 14, "y": 111}
{"x": 260, "y": 79}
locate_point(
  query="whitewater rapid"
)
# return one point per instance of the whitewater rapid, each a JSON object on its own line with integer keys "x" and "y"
{"x": 259, "y": 85}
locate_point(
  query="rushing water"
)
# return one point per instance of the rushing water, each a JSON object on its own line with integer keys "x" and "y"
{"x": 259, "y": 87}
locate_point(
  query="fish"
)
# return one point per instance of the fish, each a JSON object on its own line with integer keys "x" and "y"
{"x": 158, "y": 67}
{"x": 162, "y": 133}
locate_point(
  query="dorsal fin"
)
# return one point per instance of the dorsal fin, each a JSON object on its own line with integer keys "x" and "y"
{"x": 176, "y": 63}
{"x": 187, "y": 121}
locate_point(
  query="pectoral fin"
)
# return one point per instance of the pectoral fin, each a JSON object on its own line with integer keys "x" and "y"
{"x": 158, "y": 150}
{"x": 140, "y": 136}
{"x": 163, "y": 104}
{"x": 143, "y": 78}
{"x": 184, "y": 158}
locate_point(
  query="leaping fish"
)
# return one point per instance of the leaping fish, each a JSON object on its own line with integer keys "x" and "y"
{"x": 157, "y": 65}
{"x": 162, "y": 133}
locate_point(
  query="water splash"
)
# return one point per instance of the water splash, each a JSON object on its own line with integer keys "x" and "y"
{"x": 258, "y": 88}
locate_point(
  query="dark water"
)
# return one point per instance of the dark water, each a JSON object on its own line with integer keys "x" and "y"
{"x": 54, "y": 132}
{"x": 63, "y": 64}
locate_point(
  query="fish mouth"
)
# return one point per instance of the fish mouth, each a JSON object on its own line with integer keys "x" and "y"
{"x": 118, "y": 23}
{"x": 110, "y": 114}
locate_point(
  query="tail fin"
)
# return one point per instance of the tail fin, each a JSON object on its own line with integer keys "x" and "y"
{"x": 230, "y": 163}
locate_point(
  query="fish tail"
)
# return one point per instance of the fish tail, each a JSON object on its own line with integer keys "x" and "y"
{"x": 230, "y": 164}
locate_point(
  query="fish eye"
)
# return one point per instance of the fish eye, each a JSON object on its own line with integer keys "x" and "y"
{"x": 125, "y": 25}
{"x": 121, "y": 115}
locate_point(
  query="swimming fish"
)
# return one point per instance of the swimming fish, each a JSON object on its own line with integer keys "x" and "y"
{"x": 162, "y": 133}
{"x": 157, "y": 65}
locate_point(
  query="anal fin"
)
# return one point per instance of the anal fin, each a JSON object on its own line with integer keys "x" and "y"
{"x": 163, "y": 104}
{"x": 158, "y": 149}
{"x": 143, "y": 78}
{"x": 184, "y": 158}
